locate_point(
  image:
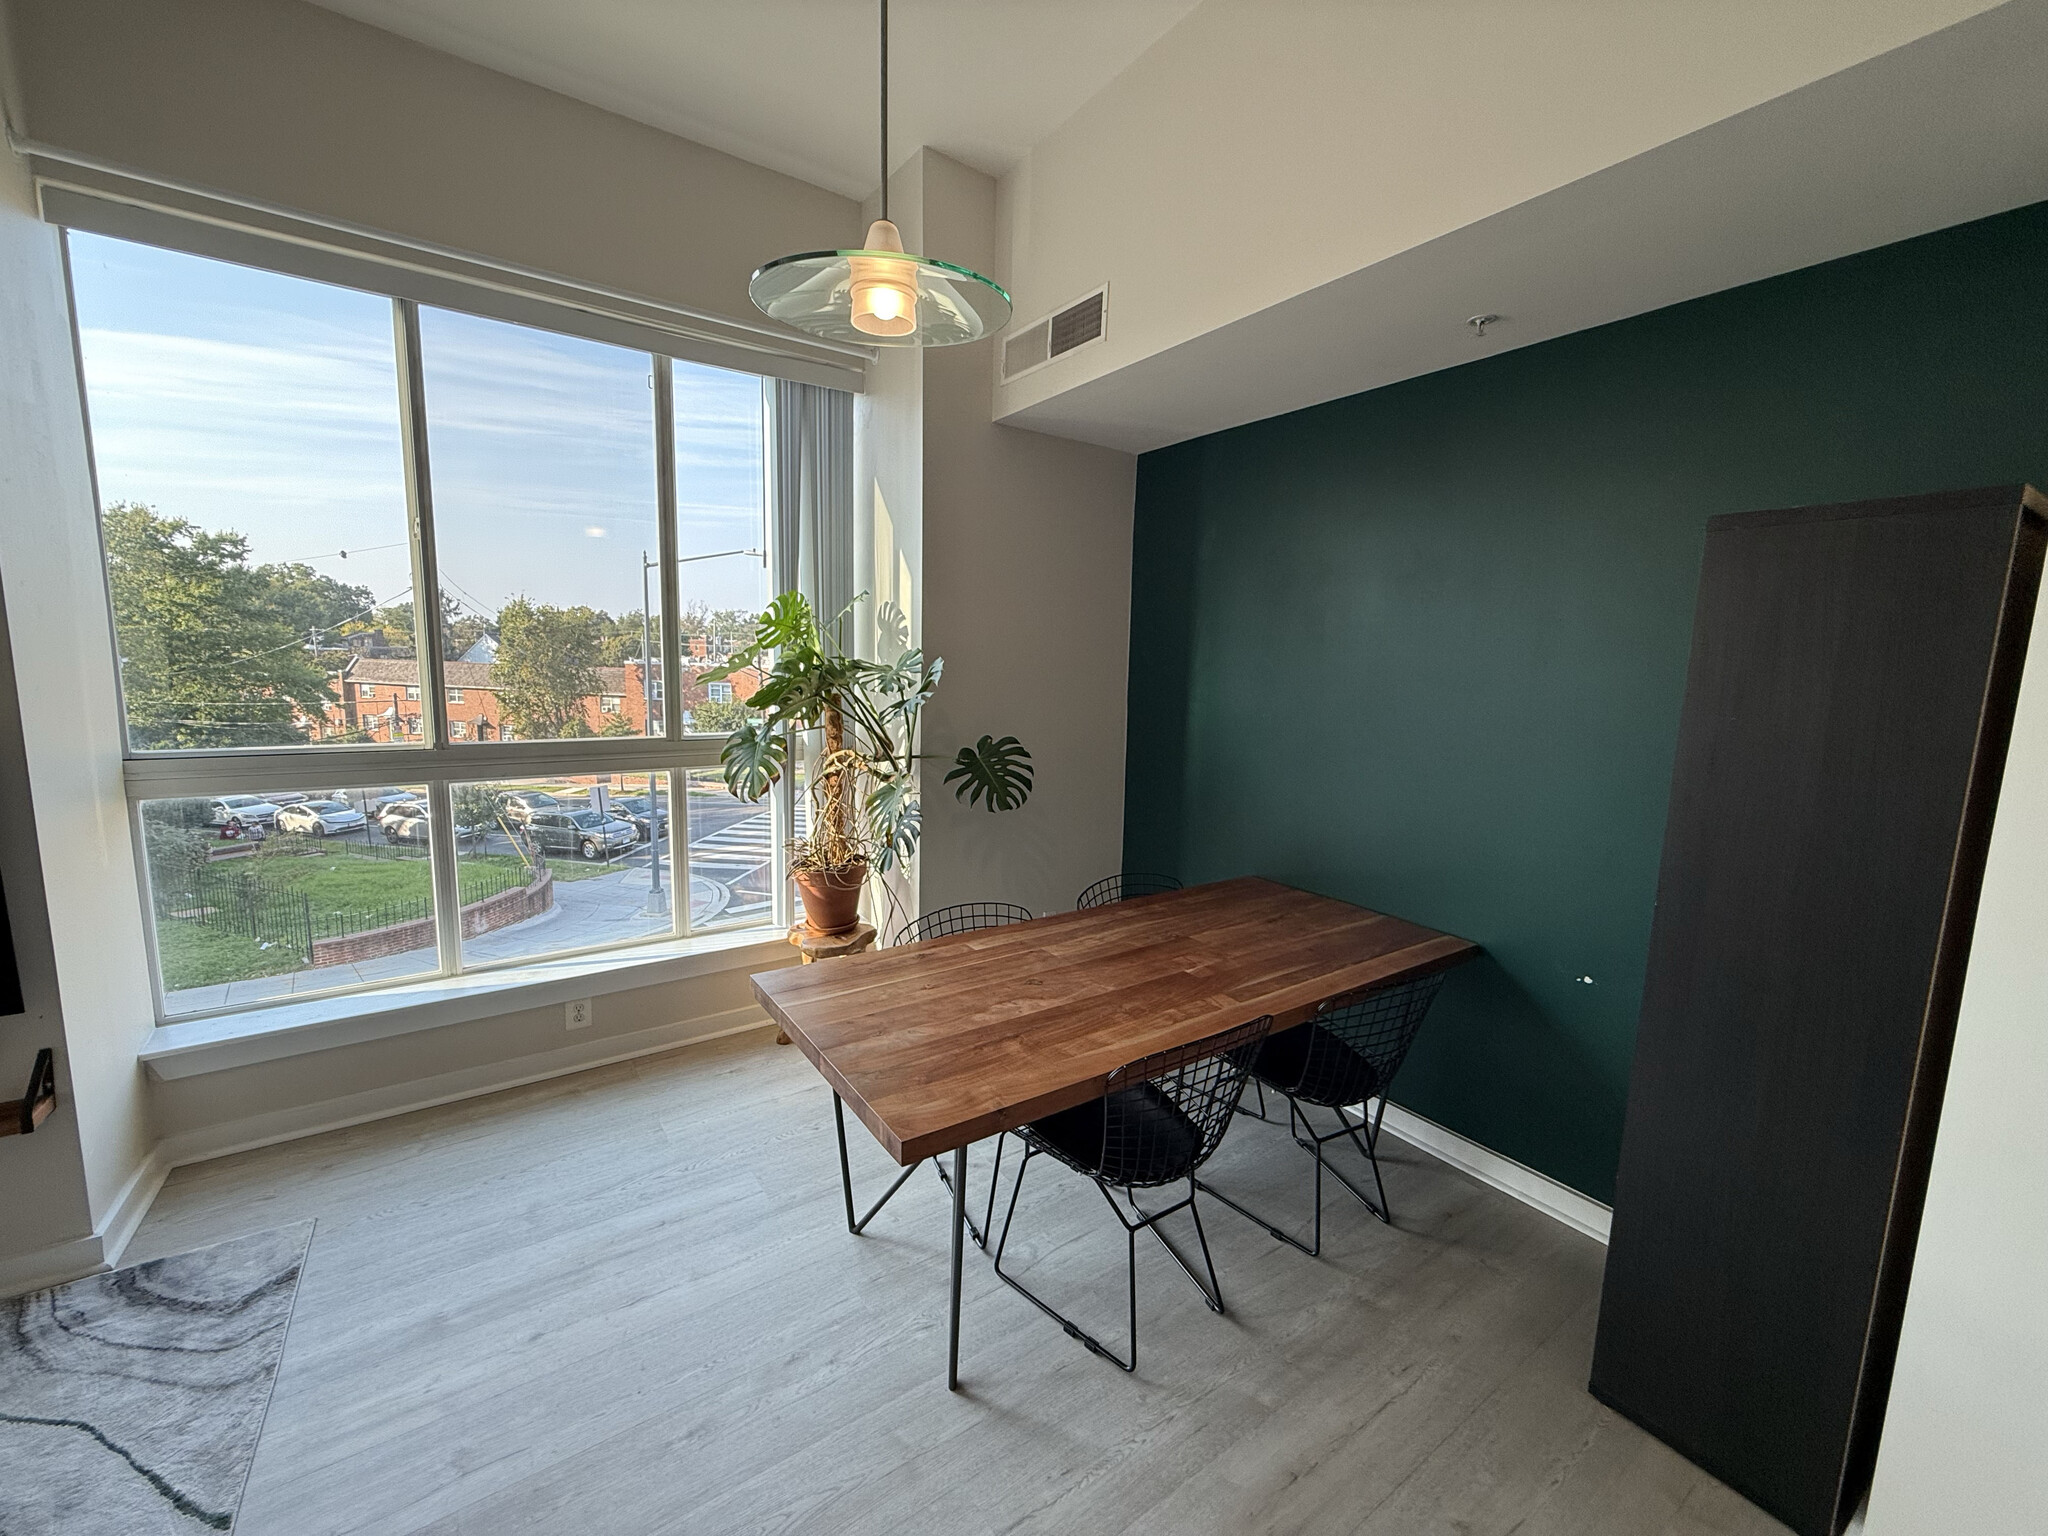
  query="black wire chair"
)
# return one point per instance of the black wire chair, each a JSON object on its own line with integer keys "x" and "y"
{"x": 1159, "y": 1120}
{"x": 963, "y": 917}
{"x": 1113, "y": 888}
{"x": 1347, "y": 1054}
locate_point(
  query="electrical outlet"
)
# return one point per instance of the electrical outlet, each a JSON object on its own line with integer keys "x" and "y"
{"x": 578, "y": 1014}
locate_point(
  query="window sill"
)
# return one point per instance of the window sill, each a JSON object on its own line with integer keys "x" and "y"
{"x": 221, "y": 1043}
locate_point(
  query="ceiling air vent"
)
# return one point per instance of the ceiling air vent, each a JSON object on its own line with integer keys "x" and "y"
{"x": 1033, "y": 346}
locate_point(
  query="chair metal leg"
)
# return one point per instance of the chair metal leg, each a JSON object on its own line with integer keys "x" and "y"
{"x": 1313, "y": 1143}
{"x": 1212, "y": 1293}
{"x": 854, "y": 1225}
{"x": 1260, "y": 1112}
{"x": 988, "y": 1220}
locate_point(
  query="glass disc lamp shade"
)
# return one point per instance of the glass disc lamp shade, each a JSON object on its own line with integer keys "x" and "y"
{"x": 880, "y": 295}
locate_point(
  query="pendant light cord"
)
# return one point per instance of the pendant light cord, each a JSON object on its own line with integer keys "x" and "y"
{"x": 885, "y": 110}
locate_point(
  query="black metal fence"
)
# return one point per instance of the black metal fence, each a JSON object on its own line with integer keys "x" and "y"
{"x": 237, "y": 899}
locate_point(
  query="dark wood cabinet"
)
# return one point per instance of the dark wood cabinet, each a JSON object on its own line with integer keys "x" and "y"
{"x": 1848, "y": 702}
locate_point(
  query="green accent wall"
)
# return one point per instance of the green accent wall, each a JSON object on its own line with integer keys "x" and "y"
{"x": 1424, "y": 648}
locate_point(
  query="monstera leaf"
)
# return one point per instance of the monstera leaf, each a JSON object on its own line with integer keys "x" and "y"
{"x": 894, "y": 821}
{"x": 752, "y": 758}
{"x": 785, "y": 625}
{"x": 998, "y": 772}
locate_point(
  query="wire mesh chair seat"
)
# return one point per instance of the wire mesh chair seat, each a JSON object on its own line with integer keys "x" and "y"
{"x": 1347, "y": 1054}
{"x": 1127, "y": 887}
{"x": 1159, "y": 1119}
{"x": 963, "y": 917}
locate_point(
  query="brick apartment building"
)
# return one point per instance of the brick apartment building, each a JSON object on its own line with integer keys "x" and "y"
{"x": 381, "y": 695}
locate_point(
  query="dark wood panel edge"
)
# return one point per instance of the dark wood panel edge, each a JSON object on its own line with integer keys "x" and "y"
{"x": 1706, "y": 1463}
{"x": 1996, "y": 717}
{"x": 1889, "y": 506}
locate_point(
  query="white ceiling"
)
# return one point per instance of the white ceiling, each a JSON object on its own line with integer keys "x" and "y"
{"x": 791, "y": 84}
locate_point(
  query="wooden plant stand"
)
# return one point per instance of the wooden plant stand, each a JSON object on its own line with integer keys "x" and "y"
{"x": 827, "y": 946}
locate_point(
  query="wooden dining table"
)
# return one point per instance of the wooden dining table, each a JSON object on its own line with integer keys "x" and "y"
{"x": 937, "y": 1045}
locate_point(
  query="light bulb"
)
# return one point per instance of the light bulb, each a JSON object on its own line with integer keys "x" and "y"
{"x": 884, "y": 291}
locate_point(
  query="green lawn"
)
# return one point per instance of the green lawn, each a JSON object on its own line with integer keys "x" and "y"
{"x": 336, "y": 878}
{"x": 193, "y": 955}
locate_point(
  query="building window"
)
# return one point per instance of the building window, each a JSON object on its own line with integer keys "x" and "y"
{"x": 243, "y": 421}
{"x": 718, "y": 693}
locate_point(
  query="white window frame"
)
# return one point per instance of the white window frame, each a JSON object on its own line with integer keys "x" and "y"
{"x": 432, "y": 757}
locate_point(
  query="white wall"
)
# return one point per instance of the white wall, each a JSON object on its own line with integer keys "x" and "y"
{"x": 1027, "y": 576}
{"x": 284, "y": 103}
{"x": 1263, "y": 148}
{"x": 1965, "y": 1441}
{"x": 287, "y": 104}
{"x": 63, "y": 829}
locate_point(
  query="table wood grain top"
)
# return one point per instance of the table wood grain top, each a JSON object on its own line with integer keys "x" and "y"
{"x": 939, "y": 1044}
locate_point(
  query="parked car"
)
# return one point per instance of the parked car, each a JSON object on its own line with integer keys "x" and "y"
{"x": 371, "y": 801}
{"x": 648, "y": 813}
{"x": 584, "y": 832}
{"x": 409, "y": 823}
{"x": 399, "y": 810}
{"x": 249, "y": 810}
{"x": 321, "y": 818}
{"x": 523, "y": 805}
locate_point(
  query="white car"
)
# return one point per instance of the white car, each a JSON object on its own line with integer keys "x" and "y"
{"x": 410, "y": 824}
{"x": 249, "y": 810}
{"x": 321, "y": 818}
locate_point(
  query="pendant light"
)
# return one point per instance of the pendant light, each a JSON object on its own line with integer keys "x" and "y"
{"x": 880, "y": 295}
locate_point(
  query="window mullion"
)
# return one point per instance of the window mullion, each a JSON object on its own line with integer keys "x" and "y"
{"x": 426, "y": 629}
{"x": 419, "y": 494}
{"x": 679, "y": 848}
{"x": 441, "y": 851}
{"x": 671, "y": 577}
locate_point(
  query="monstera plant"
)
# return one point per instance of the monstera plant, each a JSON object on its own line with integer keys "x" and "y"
{"x": 866, "y": 815}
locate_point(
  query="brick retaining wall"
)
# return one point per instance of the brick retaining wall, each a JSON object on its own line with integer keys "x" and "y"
{"x": 478, "y": 918}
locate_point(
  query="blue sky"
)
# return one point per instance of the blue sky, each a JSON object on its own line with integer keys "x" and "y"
{"x": 240, "y": 399}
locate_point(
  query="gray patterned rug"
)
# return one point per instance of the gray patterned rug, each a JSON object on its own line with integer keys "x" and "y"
{"x": 130, "y": 1402}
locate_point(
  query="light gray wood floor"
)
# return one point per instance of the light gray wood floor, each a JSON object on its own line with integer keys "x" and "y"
{"x": 626, "y": 1303}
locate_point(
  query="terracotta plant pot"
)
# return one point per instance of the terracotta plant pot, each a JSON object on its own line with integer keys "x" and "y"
{"x": 832, "y": 897}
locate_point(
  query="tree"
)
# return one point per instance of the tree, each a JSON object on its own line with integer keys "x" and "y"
{"x": 211, "y": 655}
{"x": 547, "y": 666}
{"x": 479, "y": 806}
{"x": 719, "y": 717}
{"x": 460, "y": 628}
{"x": 620, "y": 639}
{"x": 620, "y": 724}
{"x": 313, "y": 603}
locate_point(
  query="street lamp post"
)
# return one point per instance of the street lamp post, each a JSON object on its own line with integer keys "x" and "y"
{"x": 657, "y": 899}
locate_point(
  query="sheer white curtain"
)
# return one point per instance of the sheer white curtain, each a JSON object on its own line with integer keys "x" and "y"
{"x": 810, "y": 494}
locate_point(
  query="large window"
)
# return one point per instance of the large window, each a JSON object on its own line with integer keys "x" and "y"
{"x": 285, "y": 469}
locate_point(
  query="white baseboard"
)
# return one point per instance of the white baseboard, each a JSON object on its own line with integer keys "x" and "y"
{"x": 291, "y": 1124}
{"x": 52, "y": 1266}
{"x": 98, "y": 1252}
{"x": 132, "y": 1204}
{"x": 1581, "y": 1212}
